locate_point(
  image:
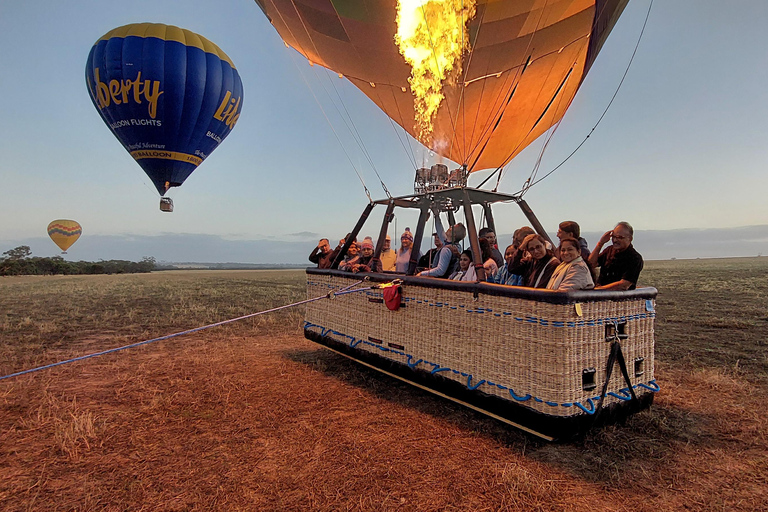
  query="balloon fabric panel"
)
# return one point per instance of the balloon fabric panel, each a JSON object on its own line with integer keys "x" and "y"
{"x": 527, "y": 61}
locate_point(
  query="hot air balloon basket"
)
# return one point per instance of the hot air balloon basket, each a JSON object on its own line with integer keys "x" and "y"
{"x": 536, "y": 359}
{"x": 166, "y": 204}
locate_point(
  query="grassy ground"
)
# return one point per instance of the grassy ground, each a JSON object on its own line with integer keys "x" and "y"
{"x": 251, "y": 416}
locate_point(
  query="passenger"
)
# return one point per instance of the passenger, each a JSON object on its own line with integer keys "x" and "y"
{"x": 364, "y": 261}
{"x": 573, "y": 273}
{"x": 404, "y": 254}
{"x": 570, "y": 229}
{"x": 447, "y": 258}
{"x": 466, "y": 270}
{"x": 351, "y": 257}
{"x": 620, "y": 264}
{"x": 428, "y": 261}
{"x": 538, "y": 265}
{"x": 519, "y": 235}
{"x": 322, "y": 255}
{"x": 503, "y": 275}
{"x": 388, "y": 256}
{"x": 489, "y": 264}
{"x": 489, "y": 235}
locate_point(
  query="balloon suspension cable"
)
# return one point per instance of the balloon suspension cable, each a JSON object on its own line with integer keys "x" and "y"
{"x": 409, "y": 154}
{"x": 551, "y": 133}
{"x": 330, "y": 295}
{"x": 546, "y": 108}
{"x": 306, "y": 82}
{"x": 353, "y": 130}
{"x": 626, "y": 71}
{"x": 489, "y": 177}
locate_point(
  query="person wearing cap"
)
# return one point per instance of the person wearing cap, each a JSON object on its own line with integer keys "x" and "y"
{"x": 363, "y": 263}
{"x": 404, "y": 253}
{"x": 388, "y": 256}
{"x": 353, "y": 254}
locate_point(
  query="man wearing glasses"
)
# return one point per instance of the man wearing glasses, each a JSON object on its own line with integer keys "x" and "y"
{"x": 620, "y": 264}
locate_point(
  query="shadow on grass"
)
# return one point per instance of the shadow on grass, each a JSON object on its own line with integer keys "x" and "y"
{"x": 645, "y": 443}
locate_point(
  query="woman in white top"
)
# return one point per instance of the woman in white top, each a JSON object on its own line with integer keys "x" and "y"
{"x": 403, "y": 255}
{"x": 466, "y": 271}
{"x": 573, "y": 273}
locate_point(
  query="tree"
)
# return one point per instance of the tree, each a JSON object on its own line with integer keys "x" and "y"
{"x": 19, "y": 253}
{"x": 147, "y": 264}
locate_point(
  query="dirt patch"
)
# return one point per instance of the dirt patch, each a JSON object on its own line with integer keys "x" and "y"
{"x": 251, "y": 416}
{"x": 276, "y": 423}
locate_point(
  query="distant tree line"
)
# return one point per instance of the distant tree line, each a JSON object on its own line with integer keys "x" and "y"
{"x": 19, "y": 261}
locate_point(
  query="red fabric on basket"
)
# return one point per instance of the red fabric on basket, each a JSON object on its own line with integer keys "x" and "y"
{"x": 392, "y": 297}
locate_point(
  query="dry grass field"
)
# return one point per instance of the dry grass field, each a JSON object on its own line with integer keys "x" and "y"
{"x": 250, "y": 416}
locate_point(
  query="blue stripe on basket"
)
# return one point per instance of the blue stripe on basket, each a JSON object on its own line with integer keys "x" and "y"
{"x": 623, "y": 394}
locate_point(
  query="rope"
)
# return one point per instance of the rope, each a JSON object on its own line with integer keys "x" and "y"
{"x": 353, "y": 130}
{"x": 329, "y": 295}
{"x": 616, "y": 356}
{"x": 333, "y": 129}
{"x": 306, "y": 82}
{"x": 640, "y": 37}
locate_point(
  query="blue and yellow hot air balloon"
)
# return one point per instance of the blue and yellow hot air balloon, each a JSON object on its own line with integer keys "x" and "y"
{"x": 169, "y": 95}
{"x": 64, "y": 233}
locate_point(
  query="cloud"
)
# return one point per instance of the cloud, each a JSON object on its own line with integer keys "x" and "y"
{"x": 305, "y": 234}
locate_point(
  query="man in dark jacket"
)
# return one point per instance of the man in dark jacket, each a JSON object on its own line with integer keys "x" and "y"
{"x": 620, "y": 264}
{"x": 322, "y": 255}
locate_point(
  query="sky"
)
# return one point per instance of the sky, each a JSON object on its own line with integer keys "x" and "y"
{"x": 683, "y": 146}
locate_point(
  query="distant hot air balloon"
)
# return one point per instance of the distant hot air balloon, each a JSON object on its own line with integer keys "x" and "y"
{"x": 64, "y": 233}
{"x": 169, "y": 95}
{"x": 475, "y": 80}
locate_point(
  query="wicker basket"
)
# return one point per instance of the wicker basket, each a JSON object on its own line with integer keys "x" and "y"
{"x": 538, "y": 350}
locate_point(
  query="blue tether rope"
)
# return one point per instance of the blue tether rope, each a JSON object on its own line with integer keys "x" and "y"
{"x": 331, "y": 294}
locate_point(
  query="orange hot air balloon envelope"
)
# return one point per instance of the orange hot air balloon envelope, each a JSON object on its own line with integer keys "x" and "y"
{"x": 524, "y": 63}
{"x": 64, "y": 233}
